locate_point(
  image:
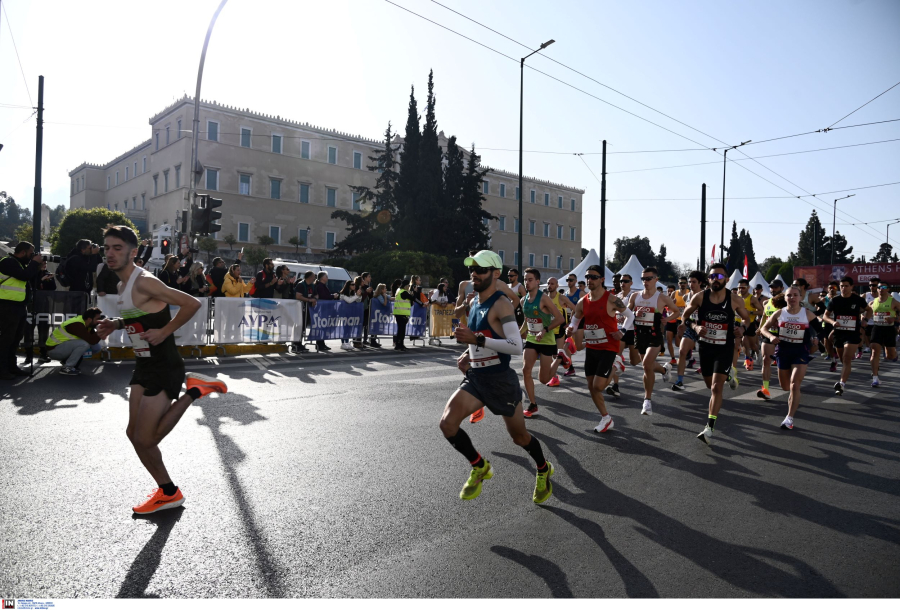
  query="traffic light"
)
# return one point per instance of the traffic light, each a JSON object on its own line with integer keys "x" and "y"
{"x": 204, "y": 215}
{"x": 164, "y": 246}
{"x": 197, "y": 218}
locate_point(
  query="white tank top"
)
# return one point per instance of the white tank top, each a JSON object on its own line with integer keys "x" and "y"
{"x": 792, "y": 327}
{"x": 129, "y": 312}
{"x": 645, "y": 309}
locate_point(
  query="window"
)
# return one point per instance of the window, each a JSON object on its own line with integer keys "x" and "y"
{"x": 244, "y": 184}
{"x": 245, "y": 137}
{"x": 486, "y": 187}
{"x": 573, "y": 204}
{"x": 357, "y": 160}
{"x": 331, "y": 197}
{"x": 329, "y": 240}
{"x": 276, "y": 144}
{"x": 332, "y": 155}
{"x": 275, "y": 233}
{"x": 212, "y": 131}
{"x": 135, "y": 168}
{"x": 108, "y": 183}
{"x": 516, "y": 225}
{"x": 243, "y": 231}
{"x": 559, "y": 231}
{"x": 502, "y": 255}
{"x": 134, "y": 203}
{"x": 547, "y": 199}
{"x": 546, "y": 229}
{"x": 303, "y": 236}
{"x": 116, "y": 206}
{"x": 167, "y": 135}
{"x": 117, "y": 177}
{"x": 572, "y": 233}
{"x": 559, "y": 262}
{"x": 503, "y": 190}
{"x": 533, "y": 195}
{"x": 178, "y": 135}
{"x": 571, "y": 264}
{"x": 516, "y": 259}
{"x": 354, "y": 200}
{"x": 157, "y": 141}
{"x": 531, "y": 260}
{"x": 166, "y": 181}
{"x": 177, "y": 176}
{"x": 144, "y": 166}
{"x": 531, "y": 225}
{"x": 212, "y": 179}
{"x": 155, "y": 185}
{"x": 304, "y": 193}
{"x": 126, "y": 173}
{"x": 546, "y": 261}
{"x": 517, "y": 193}
{"x": 275, "y": 188}
{"x": 304, "y": 149}
{"x": 502, "y": 226}
{"x": 143, "y": 201}
{"x": 559, "y": 202}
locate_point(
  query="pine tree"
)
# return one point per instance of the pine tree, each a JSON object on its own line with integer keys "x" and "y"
{"x": 805, "y": 254}
{"x": 469, "y": 224}
{"x": 426, "y": 211}
{"x": 842, "y": 253}
{"x": 884, "y": 254}
{"x": 735, "y": 258}
{"x": 407, "y": 183}
{"x": 747, "y": 248}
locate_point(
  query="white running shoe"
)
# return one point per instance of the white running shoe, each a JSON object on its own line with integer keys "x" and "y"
{"x": 346, "y": 346}
{"x": 605, "y": 425}
{"x": 788, "y": 423}
{"x": 647, "y": 408}
{"x": 732, "y": 379}
{"x": 665, "y": 375}
{"x": 706, "y": 435}
{"x": 839, "y": 388}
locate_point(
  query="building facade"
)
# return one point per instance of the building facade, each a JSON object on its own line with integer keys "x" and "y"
{"x": 283, "y": 179}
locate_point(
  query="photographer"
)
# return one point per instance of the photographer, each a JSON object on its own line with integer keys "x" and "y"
{"x": 16, "y": 274}
{"x": 145, "y": 251}
{"x": 284, "y": 288}
{"x": 80, "y": 265}
{"x": 69, "y": 342}
{"x": 44, "y": 281}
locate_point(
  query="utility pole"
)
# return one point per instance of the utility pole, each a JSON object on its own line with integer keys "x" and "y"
{"x": 603, "y": 210}
{"x": 38, "y": 162}
{"x": 724, "y": 168}
{"x": 834, "y": 224}
{"x": 702, "y": 225}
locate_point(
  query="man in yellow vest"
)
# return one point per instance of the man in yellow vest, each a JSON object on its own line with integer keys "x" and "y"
{"x": 16, "y": 274}
{"x": 73, "y": 338}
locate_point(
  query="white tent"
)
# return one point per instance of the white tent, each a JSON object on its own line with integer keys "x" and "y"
{"x": 634, "y": 268}
{"x": 592, "y": 258}
{"x": 759, "y": 279}
{"x": 780, "y": 279}
{"x": 736, "y": 277}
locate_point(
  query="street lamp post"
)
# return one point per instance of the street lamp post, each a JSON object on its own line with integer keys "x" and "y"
{"x": 521, "y": 106}
{"x": 834, "y": 224}
{"x": 724, "y": 168}
{"x": 887, "y": 231}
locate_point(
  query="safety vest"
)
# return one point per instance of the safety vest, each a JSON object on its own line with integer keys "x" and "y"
{"x": 61, "y": 335}
{"x": 402, "y": 307}
{"x": 12, "y": 289}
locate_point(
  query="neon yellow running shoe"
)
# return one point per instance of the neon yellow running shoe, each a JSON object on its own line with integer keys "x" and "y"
{"x": 543, "y": 488}
{"x": 472, "y": 488}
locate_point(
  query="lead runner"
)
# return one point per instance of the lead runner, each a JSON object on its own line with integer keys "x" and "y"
{"x": 154, "y": 406}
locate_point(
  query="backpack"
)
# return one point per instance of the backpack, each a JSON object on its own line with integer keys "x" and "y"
{"x": 61, "y": 275}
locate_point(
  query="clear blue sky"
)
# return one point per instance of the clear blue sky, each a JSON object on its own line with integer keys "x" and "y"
{"x": 734, "y": 70}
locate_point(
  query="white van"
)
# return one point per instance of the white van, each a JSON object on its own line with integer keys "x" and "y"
{"x": 337, "y": 276}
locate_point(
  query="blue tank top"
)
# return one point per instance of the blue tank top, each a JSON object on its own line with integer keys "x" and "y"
{"x": 485, "y": 361}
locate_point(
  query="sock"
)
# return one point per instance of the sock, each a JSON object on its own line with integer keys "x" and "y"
{"x": 194, "y": 393}
{"x": 712, "y": 421}
{"x": 462, "y": 443}
{"x": 766, "y": 384}
{"x": 681, "y": 379}
{"x": 537, "y": 454}
{"x": 168, "y": 488}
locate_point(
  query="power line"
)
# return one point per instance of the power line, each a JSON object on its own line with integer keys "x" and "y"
{"x": 864, "y": 105}
{"x": 11, "y": 37}
{"x": 825, "y": 130}
{"x": 589, "y": 169}
{"x": 859, "y": 188}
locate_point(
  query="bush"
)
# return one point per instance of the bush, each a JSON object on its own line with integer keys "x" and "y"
{"x": 85, "y": 224}
{"x": 385, "y": 267}
{"x": 787, "y": 273}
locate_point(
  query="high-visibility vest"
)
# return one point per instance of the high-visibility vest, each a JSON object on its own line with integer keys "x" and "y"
{"x": 402, "y": 307}
{"x": 61, "y": 335}
{"x": 12, "y": 289}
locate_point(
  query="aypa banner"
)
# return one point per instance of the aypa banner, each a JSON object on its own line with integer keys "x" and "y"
{"x": 192, "y": 333}
{"x": 257, "y": 321}
{"x": 335, "y": 320}
{"x": 382, "y": 322}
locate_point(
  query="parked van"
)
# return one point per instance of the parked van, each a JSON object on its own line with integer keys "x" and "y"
{"x": 337, "y": 276}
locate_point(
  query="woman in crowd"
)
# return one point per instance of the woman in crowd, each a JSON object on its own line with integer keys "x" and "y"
{"x": 440, "y": 295}
{"x": 381, "y": 295}
{"x": 196, "y": 284}
{"x": 234, "y": 285}
{"x": 350, "y": 293}
{"x": 169, "y": 273}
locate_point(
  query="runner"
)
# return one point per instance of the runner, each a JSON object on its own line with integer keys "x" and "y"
{"x": 845, "y": 312}
{"x": 649, "y": 322}
{"x": 154, "y": 405}
{"x": 864, "y": 347}
{"x": 542, "y": 318}
{"x": 516, "y": 286}
{"x": 750, "y": 341}
{"x": 563, "y": 355}
{"x": 575, "y": 291}
{"x": 672, "y": 327}
{"x": 808, "y": 300}
{"x": 628, "y": 333}
{"x": 825, "y": 329}
{"x": 791, "y": 343}
{"x": 885, "y": 311}
{"x": 490, "y": 382}
{"x": 697, "y": 282}
{"x": 717, "y": 331}
{"x": 768, "y": 348}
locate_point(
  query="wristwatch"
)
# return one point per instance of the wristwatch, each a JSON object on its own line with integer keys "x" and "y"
{"x": 479, "y": 340}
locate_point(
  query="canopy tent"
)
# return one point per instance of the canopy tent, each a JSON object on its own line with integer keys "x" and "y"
{"x": 592, "y": 258}
{"x": 759, "y": 279}
{"x": 736, "y": 277}
{"x": 634, "y": 268}
{"x": 780, "y": 279}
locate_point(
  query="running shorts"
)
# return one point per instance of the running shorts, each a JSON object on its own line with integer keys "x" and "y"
{"x": 155, "y": 378}
{"x": 750, "y": 331}
{"x": 715, "y": 359}
{"x": 885, "y": 336}
{"x": 672, "y": 327}
{"x": 763, "y": 338}
{"x": 542, "y": 349}
{"x": 599, "y": 362}
{"x": 846, "y": 337}
{"x": 644, "y": 339}
{"x": 868, "y": 330}
{"x": 499, "y": 392}
{"x": 787, "y": 355}
{"x": 690, "y": 333}
{"x": 628, "y": 337}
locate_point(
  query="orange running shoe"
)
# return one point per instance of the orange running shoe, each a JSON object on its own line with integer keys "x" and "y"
{"x": 566, "y": 362}
{"x": 159, "y": 501}
{"x": 553, "y": 382}
{"x": 763, "y": 393}
{"x": 748, "y": 364}
{"x": 206, "y": 385}
{"x": 477, "y": 416}
{"x": 570, "y": 343}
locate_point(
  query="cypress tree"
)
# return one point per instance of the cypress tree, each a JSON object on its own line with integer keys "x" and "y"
{"x": 450, "y": 211}
{"x": 429, "y": 192}
{"x": 407, "y": 183}
{"x": 805, "y": 248}
{"x": 747, "y": 248}
{"x": 469, "y": 224}
{"x": 735, "y": 258}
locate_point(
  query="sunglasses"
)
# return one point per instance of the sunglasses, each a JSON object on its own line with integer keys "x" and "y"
{"x": 480, "y": 270}
{"x": 682, "y": 283}
{"x": 570, "y": 280}
{"x": 716, "y": 276}
{"x": 592, "y": 277}
{"x": 626, "y": 281}
{"x": 882, "y": 287}
{"x": 648, "y": 279}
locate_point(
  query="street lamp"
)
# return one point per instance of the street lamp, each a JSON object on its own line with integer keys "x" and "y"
{"x": 308, "y": 230}
{"x": 834, "y": 223}
{"x": 887, "y": 231}
{"x": 521, "y": 105}
{"x": 724, "y": 167}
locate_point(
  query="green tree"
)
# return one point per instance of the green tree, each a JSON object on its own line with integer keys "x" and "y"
{"x": 265, "y": 240}
{"x": 746, "y": 243}
{"x": 584, "y": 253}
{"x": 471, "y": 223}
{"x": 768, "y": 264}
{"x": 25, "y": 232}
{"x": 230, "y": 239}
{"x": 85, "y": 224}
{"x": 208, "y": 245}
{"x": 786, "y": 271}
{"x": 884, "y": 254}
{"x": 255, "y": 256}
{"x": 811, "y": 245}
{"x": 385, "y": 267}
{"x": 453, "y": 187}
{"x": 296, "y": 242}
{"x": 408, "y": 175}
{"x": 735, "y": 258}
{"x": 638, "y": 246}
{"x": 11, "y": 216}
{"x": 56, "y": 216}
{"x": 842, "y": 253}
{"x": 429, "y": 183}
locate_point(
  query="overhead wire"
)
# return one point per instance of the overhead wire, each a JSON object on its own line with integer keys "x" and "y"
{"x": 864, "y": 105}
{"x": 13, "y": 38}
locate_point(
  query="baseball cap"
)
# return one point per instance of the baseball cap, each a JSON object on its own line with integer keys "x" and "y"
{"x": 484, "y": 258}
{"x": 776, "y": 283}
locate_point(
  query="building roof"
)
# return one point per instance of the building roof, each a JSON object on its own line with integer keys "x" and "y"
{"x": 111, "y": 163}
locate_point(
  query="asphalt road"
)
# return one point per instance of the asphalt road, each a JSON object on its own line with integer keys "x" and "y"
{"x": 327, "y": 476}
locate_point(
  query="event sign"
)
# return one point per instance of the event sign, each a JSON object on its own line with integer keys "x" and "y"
{"x": 442, "y": 318}
{"x": 335, "y": 320}
{"x": 54, "y": 307}
{"x": 238, "y": 320}
{"x": 820, "y": 275}
{"x": 382, "y": 322}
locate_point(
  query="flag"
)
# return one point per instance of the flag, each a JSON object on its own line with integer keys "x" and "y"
{"x": 745, "y": 268}
{"x": 713, "y": 258}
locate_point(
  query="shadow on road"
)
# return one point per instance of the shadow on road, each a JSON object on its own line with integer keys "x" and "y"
{"x": 147, "y": 561}
{"x": 544, "y": 569}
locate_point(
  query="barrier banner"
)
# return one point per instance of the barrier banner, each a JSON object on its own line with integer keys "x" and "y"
{"x": 819, "y": 276}
{"x": 257, "y": 321}
{"x": 382, "y": 322}
{"x": 54, "y": 307}
{"x": 442, "y": 318}
{"x": 335, "y": 320}
{"x": 192, "y": 333}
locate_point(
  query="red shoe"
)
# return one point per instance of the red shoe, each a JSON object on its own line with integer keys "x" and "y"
{"x": 566, "y": 362}
{"x": 748, "y": 364}
{"x": 673, "y": 361}
{"x": 477, "y": 416}
{"x": 553, "y": 382}
{"x": 206, "y": 385}
{"x": 530, "y": 412}
{"x": 159, "y": 501}
{"x": 570, "y": 343}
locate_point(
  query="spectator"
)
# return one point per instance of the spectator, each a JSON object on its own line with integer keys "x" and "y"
{"x": 145, "y": 252}
{"x": 169, "y": 273}
{"x": 43, "y": 281}
{"x": 415, "y": 287}
{"x": 107, "y": 281}
{"x": 266, "y": 281}
{"x": 305, "y": 290}
{"x": 234, "y": 285}
{"x": 218, "y": 272}
{"x": 79, "y": 266}
{"x": 403, "y": 300}
{"x": 439, "y": 295}
{"x": 322, "y": 292}
{"x": 16, "y": 275}
{"x": 70, "y": 341}
{"x": 349, "y": 294}
{"x": 366, "y": 295}
{"x": 284, "y": 288}
{"x": 381, "y": 295}
{"x": 582, "y": 287}
{"x": 196, "y": 284}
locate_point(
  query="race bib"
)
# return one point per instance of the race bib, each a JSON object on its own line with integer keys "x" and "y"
{"x": 791, "y": 332}
{"x": 643, "y": 316}
{"x": 535, "y": 325}
{"x": 480, "y": 357}
{"x": 846, "y": 323}
{"x": 881, "y": 318}
{"x": 716, "y": 333}
{"x": 594, "y": 335}
{"x": 141, "y": 347}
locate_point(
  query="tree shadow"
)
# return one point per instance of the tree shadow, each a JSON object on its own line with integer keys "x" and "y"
{"x": 544, "y": 569}
{"x": 144, "y": 566}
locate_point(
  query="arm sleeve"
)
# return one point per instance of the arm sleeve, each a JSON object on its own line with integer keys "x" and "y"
{"x": 512, "y": 344}
{"x": 574, "y": 323}
{"x": 629, "y": 319}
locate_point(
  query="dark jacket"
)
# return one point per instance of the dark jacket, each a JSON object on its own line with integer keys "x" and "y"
{"x": 286, "y": 290}
{"x": 263, "y": 292}
{"x": 80, "y": 271}
{"x": 170, "y": 278}
{"x": 38, "y": 283}
{"x": 218, "y": 276}
{"x": 322, "y": 292}
{"x": 193, "y": 287}
{"x": 145, "y": 252}
{"x": 107, "y": 281}
{"x": 12, "y": 267}
{"x": 305, "y": 290}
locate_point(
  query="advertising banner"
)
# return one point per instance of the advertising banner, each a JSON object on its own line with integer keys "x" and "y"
{"x": 257, "y": 321}
{"x": 442, "y": 320}
{"x": 820, "y": 275}
{"x": 335, "y": 320}
{"x": 54, "y": 307}
{"x": 381, "y": 320}
{"x": 192, "y": 333}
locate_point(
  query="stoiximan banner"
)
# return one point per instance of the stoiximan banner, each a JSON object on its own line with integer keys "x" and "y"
{"x": 382, "y": 322}
{"x": 335, "y": 320}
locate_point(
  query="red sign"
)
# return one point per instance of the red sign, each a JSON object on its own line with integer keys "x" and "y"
{"x": 819, "y": 276}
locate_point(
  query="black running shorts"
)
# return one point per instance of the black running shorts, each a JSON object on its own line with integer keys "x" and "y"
{"x": 156, "y": 378}
{"x": 846, "y": 337}
{"x": 628, "y": 337}
{"x": 499, "y": 392}
{"x": 543, "y": 349}
{"x": 750, "y": 331}
{"x": 885, "y": 336}
{"x": 599, "y": 362}
{"x": 672, "y": 327}
{"x": 787, "y": 355}
{"x": 646, "y": 337}
{"x": 715, "y": 358}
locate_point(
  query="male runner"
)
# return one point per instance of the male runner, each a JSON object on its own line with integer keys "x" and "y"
{"x": 885, "y": 311}
{"x": 845, "y": 312}
{"x": 648, "y": 324}
{"x": 490, "y": 382}
{"x": 516, "y": 286}
{"x": 768, "y": 348}
{"x": 751, "y": 304}
{"x": 575, "y": 292}
{"x": 689, "y": 338}
{"x": 827, "y": 329}
{"x": 791, "y": 348}
{"x": 672, "y": 327}
{"x": 717, "y": 331}
{"x": 867, "y": 330}
{"x": 627, "y": 334}
{"x": 597, "y": 311}
{"x": 154, "y": 405}
{"x": 542, "y": 318}
{"x": 808, "y": 300}
{"x": 563, "y": 356}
